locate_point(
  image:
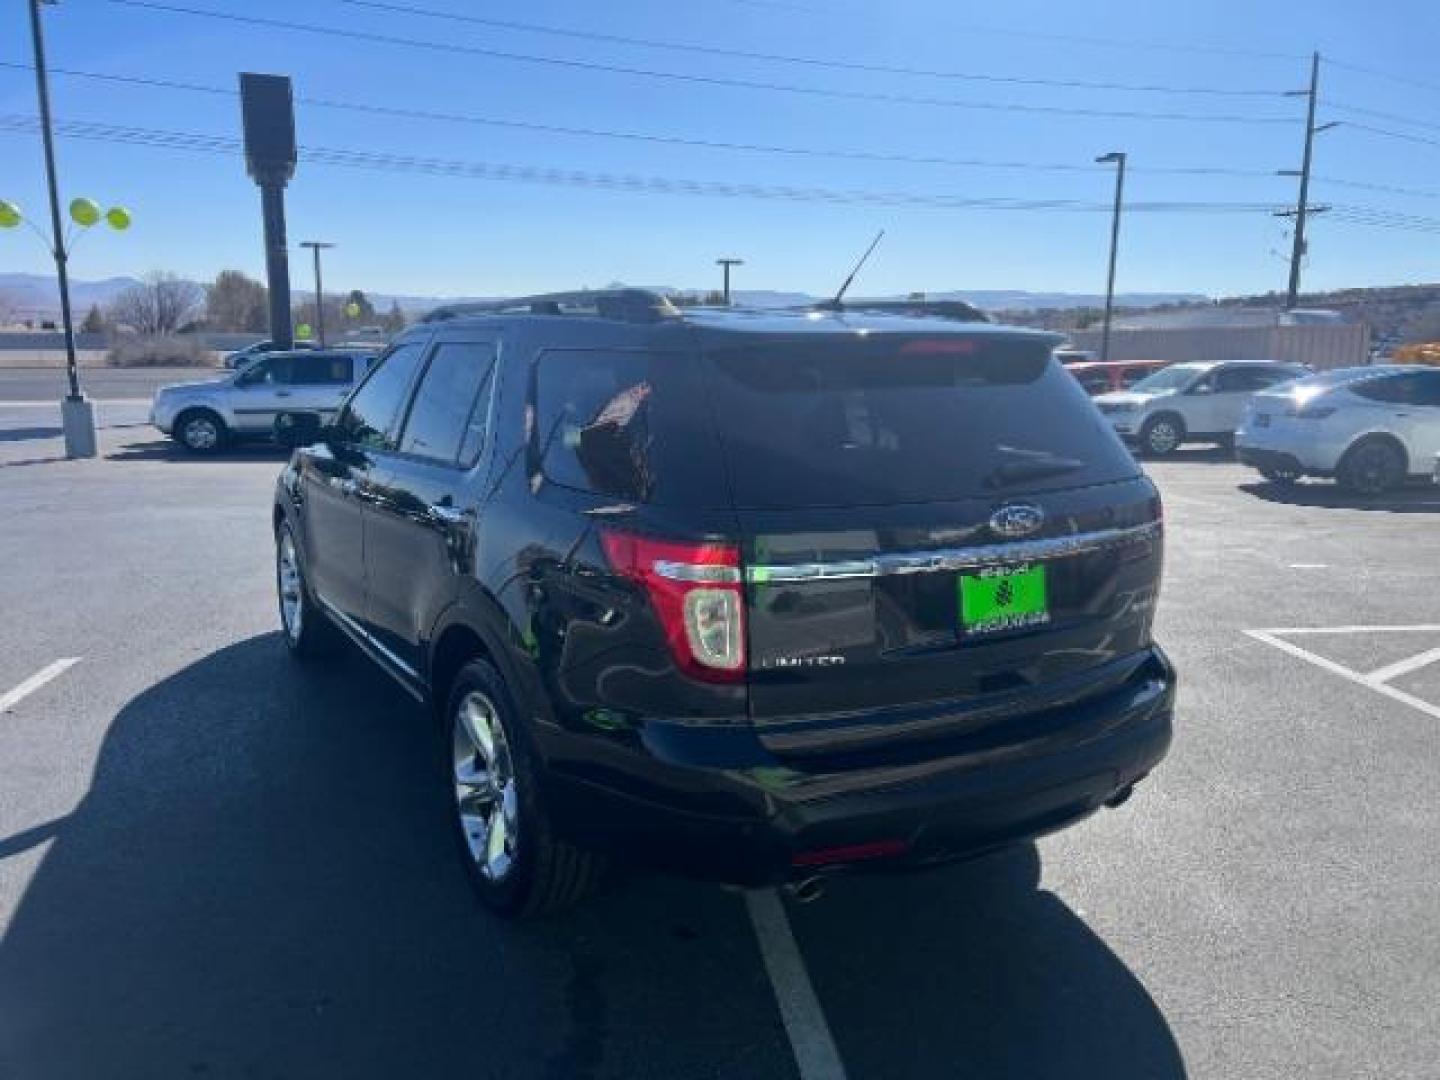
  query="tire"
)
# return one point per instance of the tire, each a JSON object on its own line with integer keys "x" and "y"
{"x": 201, "y": 431}
{"x": 528, "y": 871}
{"x": 1282, "y": 477}
{"x": 1162, "y": 435}
{"x": 1371, "y": 467}
{"x": 306, "y": 631}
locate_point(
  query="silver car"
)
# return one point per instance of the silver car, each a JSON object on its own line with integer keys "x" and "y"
{"x": 205, "y": 416}
{"x": 1193, "y": 402}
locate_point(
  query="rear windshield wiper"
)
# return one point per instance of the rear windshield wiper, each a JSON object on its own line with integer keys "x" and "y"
{"x": 1029, "y": 465}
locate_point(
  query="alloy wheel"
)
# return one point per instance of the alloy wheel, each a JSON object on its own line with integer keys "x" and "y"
{"x": 201, "y": 433}
{"x": 486, "y": 797}
{"x": 1163, "y": 437}
{"x": 291, "y": 586}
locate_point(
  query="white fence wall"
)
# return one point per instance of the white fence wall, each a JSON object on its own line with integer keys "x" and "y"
{"x": 1321, "y": 347}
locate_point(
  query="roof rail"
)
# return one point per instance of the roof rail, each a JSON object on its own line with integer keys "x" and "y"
{"x": 623, "y": 305}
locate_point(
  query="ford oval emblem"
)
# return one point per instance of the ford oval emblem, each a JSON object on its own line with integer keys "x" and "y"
{"x": 1015, "y": 521}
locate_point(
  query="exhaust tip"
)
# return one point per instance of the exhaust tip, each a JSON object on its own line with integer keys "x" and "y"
{"x": 806, "y": 890}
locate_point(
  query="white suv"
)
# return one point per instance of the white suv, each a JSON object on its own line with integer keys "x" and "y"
{"x": 1191, "y": 402}
{"x": 204, "y": 416}
{"x": 1369, "y": 427}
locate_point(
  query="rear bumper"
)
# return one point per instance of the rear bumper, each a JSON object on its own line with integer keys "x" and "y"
{"x": 717, "y": 804}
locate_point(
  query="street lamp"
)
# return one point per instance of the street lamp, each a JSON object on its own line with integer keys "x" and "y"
{"x": 317, "y": 246}
{"x": 77, "y": 416}
{"x": 1117, "y": 159}
{"x": 727, "y": 264}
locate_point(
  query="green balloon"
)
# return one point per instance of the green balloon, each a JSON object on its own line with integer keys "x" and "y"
{"x": 84, "y": 212}
{"x": 118, "y": 218}
{"x": 303, "y": 331}
{"x": 10, "y": 215}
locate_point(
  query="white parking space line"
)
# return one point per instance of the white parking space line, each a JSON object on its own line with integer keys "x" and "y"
{"x": 11, "y": 698}
{"x": 816, "y": 1057}
{"x": 1360, "y": 678}
{"x": 1423, "y": 628}
{"x": 1404, "y": 667}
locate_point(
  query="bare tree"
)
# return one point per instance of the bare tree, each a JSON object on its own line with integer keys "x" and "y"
{"x": 161, "y": 304}
{"x": 236, "y": 302}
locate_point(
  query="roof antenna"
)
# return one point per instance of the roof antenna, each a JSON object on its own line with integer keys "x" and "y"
{"x": 834, "y": 305}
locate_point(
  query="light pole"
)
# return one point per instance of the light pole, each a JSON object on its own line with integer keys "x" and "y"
{"x": 1117, "y": 159}
{"x": 317, "y": 246}
{"x": 77, "y": 416}
{"x": 727, "y": 264}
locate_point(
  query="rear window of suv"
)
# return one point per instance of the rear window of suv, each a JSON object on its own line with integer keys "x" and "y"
{"x": 851, "y": 422}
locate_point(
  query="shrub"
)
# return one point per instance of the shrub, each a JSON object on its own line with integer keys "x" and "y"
{"x": 163, "y": 351}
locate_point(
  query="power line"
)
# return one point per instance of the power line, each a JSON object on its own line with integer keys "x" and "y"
{"x": 1401, "y": 135}
{"x": 706, "y": 80}
{"x": 1387, "y": 189}
{"x": 788, "y": 58}
{"x": 368, "y": 159}
{"x": 644, "y": 137}
{"x": 829, "y": 12}
{"x": 1381, "y": 115}
{"x": 1404, "y": 80}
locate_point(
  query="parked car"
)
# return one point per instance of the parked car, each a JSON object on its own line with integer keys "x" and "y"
{"x": 753, "y": 596}
{"x": 205, "y": 416}
{"x": 1368, "y": 427}
{"x": 1099, "y": 377}
{"x": 1183, "y": 403}
{"x": 240, "y": 357}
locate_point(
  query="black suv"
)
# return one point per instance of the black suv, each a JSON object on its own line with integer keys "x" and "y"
{"x": 748, "y": 595}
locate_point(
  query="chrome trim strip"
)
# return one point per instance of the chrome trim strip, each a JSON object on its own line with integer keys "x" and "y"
{"x": 356, "y": 631}
{"x": 953, "y": 558}
{"x": 703, "y": 572}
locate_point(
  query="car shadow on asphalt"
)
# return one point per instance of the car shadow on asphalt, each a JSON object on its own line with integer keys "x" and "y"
{"x": 167, "y": 450}
{"x": 261, "y": 881}
{"x": 975, "y": 970}
{"x": 1416, "y": 498}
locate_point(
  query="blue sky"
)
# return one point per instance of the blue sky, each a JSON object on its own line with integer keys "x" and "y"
{"x": 197, "y": 213}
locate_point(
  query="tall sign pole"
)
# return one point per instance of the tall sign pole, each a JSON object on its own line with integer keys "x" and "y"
{"x": 268, "y": 111}
{"x": 77, "y": 416}
{"x": 1118, "y": 160}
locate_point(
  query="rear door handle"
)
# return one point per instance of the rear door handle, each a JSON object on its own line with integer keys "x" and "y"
{"x": 447, "y": 514}
{"x": 282, "y": 393}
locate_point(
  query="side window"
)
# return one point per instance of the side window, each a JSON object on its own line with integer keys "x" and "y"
{"x": 1131, "y": 375}
{"x": 1428, "y": 389}
{"x": 452, "y": 406}
{"x": 1240, "y": 380}
{"x": 592, "y": 421}
{"x": 1389, "y": 389}
{"x": 268, "y": 371}
{"x": 321, "y": 371}
{"x": 1094, "y": 382}
{"x": 370, "y": 417}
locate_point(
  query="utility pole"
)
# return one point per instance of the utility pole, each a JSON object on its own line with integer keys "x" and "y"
{"x": 727, "y": 263}
{"x": 1302, "y": 203}
{"x": 77, "y": 416}
{"x": 1118, "y": 160}
{"x": 317, "y": 246}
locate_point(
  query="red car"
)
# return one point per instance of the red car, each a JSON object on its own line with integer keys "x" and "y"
{"x": 1101, "y": 378}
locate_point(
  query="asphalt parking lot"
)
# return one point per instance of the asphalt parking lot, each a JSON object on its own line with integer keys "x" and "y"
{"x": 215, "y": 864}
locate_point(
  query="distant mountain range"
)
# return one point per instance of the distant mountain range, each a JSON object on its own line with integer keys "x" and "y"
{"x": 36, "y": 296}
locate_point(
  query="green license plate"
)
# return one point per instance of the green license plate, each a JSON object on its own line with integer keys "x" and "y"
{"x": 1003, "y": 598}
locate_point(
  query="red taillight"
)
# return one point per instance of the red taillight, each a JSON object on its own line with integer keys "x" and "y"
{"x": 697, "y": 595}
{"x": 849, "y": 853}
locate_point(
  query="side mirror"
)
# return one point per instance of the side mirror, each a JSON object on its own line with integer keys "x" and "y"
{"x": 294, "y": 429}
